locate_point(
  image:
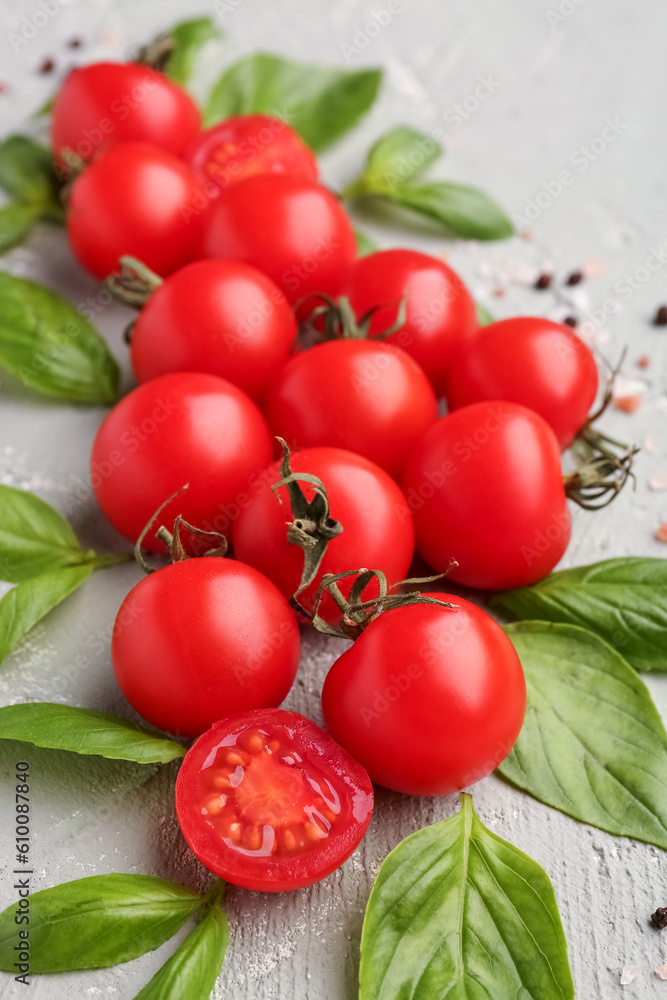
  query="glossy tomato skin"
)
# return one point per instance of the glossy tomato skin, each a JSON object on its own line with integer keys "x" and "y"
{"x": 134, "y": 199}
{"x": 440, "y": 313}
{"x": 104, "y": 104}
{"x": 529, "y": 360}
{"x": 176, "y": 429}
{"x": 428, "y": 699}
{"x": 202, "y": 639}
{"x": 485, "y": 488}
{"x": 298, "y": 807}
{"x": 377, "y": 526}
{"x": 246, "y": 145}
{"x": 216, "y": 316}
{"x": 360, "y": 395}
{"x": 294, "y": 230}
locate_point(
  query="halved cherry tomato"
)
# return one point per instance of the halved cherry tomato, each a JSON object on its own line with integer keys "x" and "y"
{"x": 216, "y": 316}
{"x": 107, "y": 103}
{"x": 202, "y": 639}
{"x": 245, "y": 145}
{"x": 268, "y": 801}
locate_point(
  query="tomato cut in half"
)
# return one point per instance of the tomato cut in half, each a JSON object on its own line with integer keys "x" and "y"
{"x": 268, "y": 801}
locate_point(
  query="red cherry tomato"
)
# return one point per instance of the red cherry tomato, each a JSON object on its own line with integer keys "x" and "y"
{"x": 268, "y": 801}
{"x": 377, "y": 526}
{"x": 217, "y": 316}
{"x": 294, "y": 230}
{"x": 428, "y": 699}
{"x": 440, "y": 314}
{"x": 104, "y": 104}
{"x": 134, "y": 199}
{"x": 542, "y": 365}
{"x": 364, "y": 396}
{"x": 202, "y": 639}
{"x": 245, "y": 145}
{"x": 177, "y": 429}
{"x": 485, "y": 487}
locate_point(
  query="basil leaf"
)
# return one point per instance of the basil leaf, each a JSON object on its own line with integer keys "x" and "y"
{"x": 320, "y": 103}
{"x": 397, "y": 156}
{"x": 96, "y": 922}
{"x": 623, "y": 600}
{"x": 365, "y": 244}
{"x": 593, "y": 744}
{"x": 84, "y": 731}
{"x": 193, "y": 969}
{"x": 27, "y": 173}
{"x": 188, "y": 38}
{"x": 34, "y": 538}
{"x": 50, "y": 347}
{"x": 28, "y": 602}
{"x": 16, "y": 221}
{"x": 484, "y": 317}
{"x": 461, "y": 210}
{"x": 457, "y": 912}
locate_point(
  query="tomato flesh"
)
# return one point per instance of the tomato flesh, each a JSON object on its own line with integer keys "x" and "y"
{"x": 267, "y": 800}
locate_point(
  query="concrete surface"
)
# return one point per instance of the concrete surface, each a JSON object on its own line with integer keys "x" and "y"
{"x": 554, "y": 74}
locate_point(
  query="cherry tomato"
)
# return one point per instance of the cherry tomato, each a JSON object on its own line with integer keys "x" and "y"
{"x": 202, "y": 639}
{"x": 364, "y": 396}
{"x": 105, "y": 103}
{"x": 294, "y": 230}
{"x": 246, "y": 145}
{"x": 377, "y": 526}
{"x": 485, "y": 487}
{"x": 268, "y": 801}
{"x": 177, "y": 429}
{"x": 134, "y": 199}
{"x": 440, "y": 314}
{"x": 542, "y": 365}
{"x": 428, "y": 699}
{"x": 217, "y": 316}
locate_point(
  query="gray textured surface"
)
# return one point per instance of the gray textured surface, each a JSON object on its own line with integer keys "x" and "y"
{"x": 556, "y": 79}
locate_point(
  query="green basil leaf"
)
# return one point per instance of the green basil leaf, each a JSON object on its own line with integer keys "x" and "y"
{"x": 50, "y": 347}
{"x": 461, "y": 210}
{"x": 34, "y": 538}
{"x": 188, "y": 38}
{"x": 85, "y": 731}
{"x": 593, "y": 744}
{"x": 457, "y": 912}
{"x": 26, "y": 171}
{"x": 96, "y": 922}
{"x": 365, "y": 244}
{"x": 484, "y": 317}
{"x": 28, "y": 602}
{"x": 194, "y": 967}
{"x": 321, "y": 103}
{"x": 16, "y": 221}
{"x": 397, "y": 156}
{"x": 623, "y": 600}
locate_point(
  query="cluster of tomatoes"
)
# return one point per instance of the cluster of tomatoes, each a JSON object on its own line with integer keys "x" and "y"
{"x": 229, "y": 243}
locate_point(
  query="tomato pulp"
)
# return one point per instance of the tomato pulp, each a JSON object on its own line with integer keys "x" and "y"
{"x": 267, "y": 800}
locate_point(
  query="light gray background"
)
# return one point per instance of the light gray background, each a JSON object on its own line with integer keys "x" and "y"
{"x": 557, "y": 75}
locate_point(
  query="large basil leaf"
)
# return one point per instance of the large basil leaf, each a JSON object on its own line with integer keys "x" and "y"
{"x": 456, "y": 913}
{"x": 623, "y": 600}
{"x": 50, "y": 347}
{"x": 85, "y": 731}
{"x": 16, "y": 221}
{"x": 321, "y": 103}
{"x": 593, "y": 744}
{"x": 28, "y": 602}
{"x": 34, "y": 538}
{"x": 187, "y": 39}
{"x": 193, "y": 969}
{"x": 28, "y": 177}
{"x": 397, "y": 156}
{"x": 461, "y": 210}
{"x": 97, "y": 922}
